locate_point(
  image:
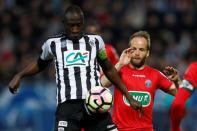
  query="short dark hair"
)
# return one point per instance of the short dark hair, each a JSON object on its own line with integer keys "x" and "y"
{"x": 73, "y": 9}
{"x": 143, "y": 34}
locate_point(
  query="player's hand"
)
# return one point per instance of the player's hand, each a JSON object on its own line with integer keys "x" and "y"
{"x": 137, "y": 106}
{"x": 125, "y": 56}
{"x": 171, "y": 73}
{"x": 14, "y": 84}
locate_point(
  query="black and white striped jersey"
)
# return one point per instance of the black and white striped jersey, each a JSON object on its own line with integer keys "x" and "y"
{"x": 76, "y": 64}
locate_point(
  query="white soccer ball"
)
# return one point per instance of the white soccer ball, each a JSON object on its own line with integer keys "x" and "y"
{"x": 99, "y": 100}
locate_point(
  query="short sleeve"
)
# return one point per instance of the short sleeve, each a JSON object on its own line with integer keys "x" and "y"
{"x": 46, "y": 53}
{"x": 101, "y": 43}
{"x": 102, "y": 54}
{"x": 164, "y": 82}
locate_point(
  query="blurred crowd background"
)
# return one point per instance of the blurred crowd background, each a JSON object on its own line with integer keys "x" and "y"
{"x": 26, "y": 24}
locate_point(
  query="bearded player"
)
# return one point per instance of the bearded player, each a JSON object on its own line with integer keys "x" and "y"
{"x": 141, "y": 81}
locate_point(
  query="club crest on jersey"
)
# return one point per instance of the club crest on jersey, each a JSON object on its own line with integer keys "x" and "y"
{"x": 76, "y": 58}
{"x": 92, "y": 42}
{"x": 148, "y": 83}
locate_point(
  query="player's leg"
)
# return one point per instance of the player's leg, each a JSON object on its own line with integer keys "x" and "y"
{"x": 177, "y": 111}
{"x": 68, "y": 116}
{"x": 100, "y": 122}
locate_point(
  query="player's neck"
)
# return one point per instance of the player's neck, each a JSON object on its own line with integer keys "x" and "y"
{"x": 137, "y": 68}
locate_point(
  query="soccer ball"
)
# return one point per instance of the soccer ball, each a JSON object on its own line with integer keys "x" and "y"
{"x": 99, "y": 100}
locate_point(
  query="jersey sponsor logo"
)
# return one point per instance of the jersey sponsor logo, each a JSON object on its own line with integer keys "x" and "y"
{"x": 92, "y": 42}
{"x": 143, "y": 97}
{"x": 76, "y": 58}
{"x": 63, "y": 123}
{"x": 187, "y": 85}
{"x": 148, "y": 83}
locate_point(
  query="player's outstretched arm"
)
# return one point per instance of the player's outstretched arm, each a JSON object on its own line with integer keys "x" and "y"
{"x": 124, "y": 60}
{"x": 105, "y": 81}
{"x": 112, "y": 74}
{"x": 31, "y": 69}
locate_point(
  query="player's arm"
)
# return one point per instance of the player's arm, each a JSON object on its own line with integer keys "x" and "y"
{"x": 112, "y": 74}
{"x": 105, "y": 81}
{"x": 177, "y": 111}
{"x": 124, "y": 60}
{"x": 172, "y": 90}
{"x": 32, "y": 69}
{"x": 172, "y": 74}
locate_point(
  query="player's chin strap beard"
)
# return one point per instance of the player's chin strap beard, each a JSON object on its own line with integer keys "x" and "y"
{"x": 137, "y": 66}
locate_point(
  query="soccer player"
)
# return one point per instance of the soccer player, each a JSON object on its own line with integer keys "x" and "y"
{"x": 188, "y": 85}
{"x": 76, "y": 56}
{"x": 141, "y": 81}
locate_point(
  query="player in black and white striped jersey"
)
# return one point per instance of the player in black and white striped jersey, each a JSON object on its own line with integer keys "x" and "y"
{"x": 76, "y": 67}
{"x": 76, "y": 58}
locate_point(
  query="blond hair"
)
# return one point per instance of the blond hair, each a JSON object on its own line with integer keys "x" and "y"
{"x": 143, "y": 34}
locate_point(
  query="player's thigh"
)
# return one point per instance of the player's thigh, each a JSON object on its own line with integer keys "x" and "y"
{"x": 101, "y": 122}
{"x": 68, "y": 116}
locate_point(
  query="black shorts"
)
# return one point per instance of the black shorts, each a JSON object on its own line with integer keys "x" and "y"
{"x": 72, "y": 116}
